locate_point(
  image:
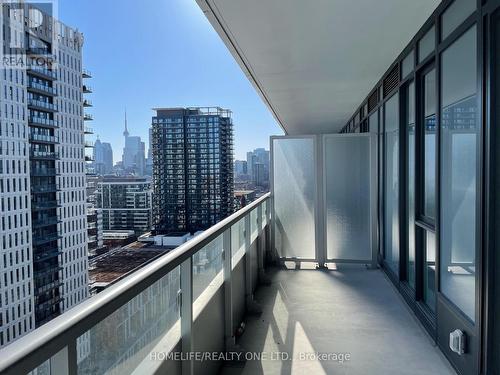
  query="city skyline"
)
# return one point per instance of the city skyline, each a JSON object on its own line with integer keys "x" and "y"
{"x": 205, "y": 82}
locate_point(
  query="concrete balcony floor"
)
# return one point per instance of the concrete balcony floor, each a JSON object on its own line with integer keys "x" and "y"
{"x": 349, "y": 310}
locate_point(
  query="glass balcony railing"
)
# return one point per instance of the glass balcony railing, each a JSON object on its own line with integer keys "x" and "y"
{"x": 88, "y": 117}
{"x": 44, "y": 205}
{"x": 91, "y": 217}
{"x": 86, "y": 89}
{"x": 43, "y": 222}
{"x": 41, "y": 121}
{"x": 41, "y": 88}
{"x": 40, "y": 104}
{"x": 42, "y": 71}
{"x": 43, "y": 239}
{"x": 37, "y": 154}
{"x": 45, "y": 188}
{"x": 35, "y": 137}
{"x": 50, "y": 248}
{"x": 43, "y": 172}
{"x": 41, "y": 51}
{"x": 160, "y": 302}
{"x": 86, "y": 73}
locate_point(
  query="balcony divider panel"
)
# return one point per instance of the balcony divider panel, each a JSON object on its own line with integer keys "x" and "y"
{"x": 294, "y": 190}
{"x": 304, "y": 191}
{"x": 349, "y": 193}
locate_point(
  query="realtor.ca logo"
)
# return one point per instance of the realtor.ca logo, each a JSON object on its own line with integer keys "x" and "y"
{"x": 29, "y": 36}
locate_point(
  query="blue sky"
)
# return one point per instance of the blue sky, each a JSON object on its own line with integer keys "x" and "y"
{"x": 161, "y": 53}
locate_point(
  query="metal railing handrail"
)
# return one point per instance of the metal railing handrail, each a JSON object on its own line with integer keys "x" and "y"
{"x": 31, "y": 350}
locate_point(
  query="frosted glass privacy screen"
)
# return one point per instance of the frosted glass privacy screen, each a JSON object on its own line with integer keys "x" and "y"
{"x": 347, "y": 197}
{"x": 294, "y": 188}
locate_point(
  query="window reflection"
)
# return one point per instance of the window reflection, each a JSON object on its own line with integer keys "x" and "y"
{"x": 459, "y": 172}
{"x": 430, "y": 145}
{"x": 391, "y": 136}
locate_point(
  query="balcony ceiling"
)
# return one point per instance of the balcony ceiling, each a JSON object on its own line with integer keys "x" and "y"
{"x": 314, "y": 61}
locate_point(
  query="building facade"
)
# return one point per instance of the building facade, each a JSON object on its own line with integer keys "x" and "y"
{"x": 43, "y": 267}
{"x": 94, "y": 218}
{"x": 125, "y": 203}
{"x": 192, "y": 168}
{"x": 149, "y": 160}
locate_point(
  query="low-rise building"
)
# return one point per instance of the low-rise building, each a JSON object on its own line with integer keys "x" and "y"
{"x": 125, "y": 203}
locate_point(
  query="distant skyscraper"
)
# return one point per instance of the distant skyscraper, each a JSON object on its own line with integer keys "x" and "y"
{"x": 133, "y": 153}
{"x": 192, "y": 168}
{"x": 258, "y": 166}
{"x": 240, "y": 168}
{"x": 107, "y": 157}
{"x": 149, "y": 160}
{"x": 103, "y": 157}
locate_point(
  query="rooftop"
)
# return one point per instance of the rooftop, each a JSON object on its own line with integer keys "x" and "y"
{"x": 115, "y": 264}
{"x": 180, "y": 111}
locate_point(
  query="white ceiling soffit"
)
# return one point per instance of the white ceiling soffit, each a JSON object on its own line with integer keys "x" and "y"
{"x": 314, "y": 61}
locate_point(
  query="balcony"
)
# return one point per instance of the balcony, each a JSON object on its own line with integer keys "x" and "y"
{"x": 39, "y": 88}
{"x": 40, "y": 105}
{"x": 87, "y": 103}
{"x": 88, "y": 130}
{"x": 38, "y": 51}
{"x": 42, "y": 240}
{"x": 41, "y": 256}
{"x": 89, "y": 144}
{"x": 42, "y": 122}
{"x": 89, "y": 158}
{"x": 91, "y": 220}
{"x": 44, "y": 205}
{"x": 42, "y": 72}
{"x": 43, "y": 172}
{"x": 44, "y": 188}
{"x": 45, "y": 222}
{"x": 86, "y": 73}
{"x": 86, "y": 89}
{"x": 46, "y": 155}
{"x": 43, "y": 138}
{"x": 208, "y": 286}
{"x": 87, "y": 117}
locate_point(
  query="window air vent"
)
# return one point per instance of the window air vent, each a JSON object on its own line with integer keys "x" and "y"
{"x": 373, "y": 101}
{"x": 391, "y": 81}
